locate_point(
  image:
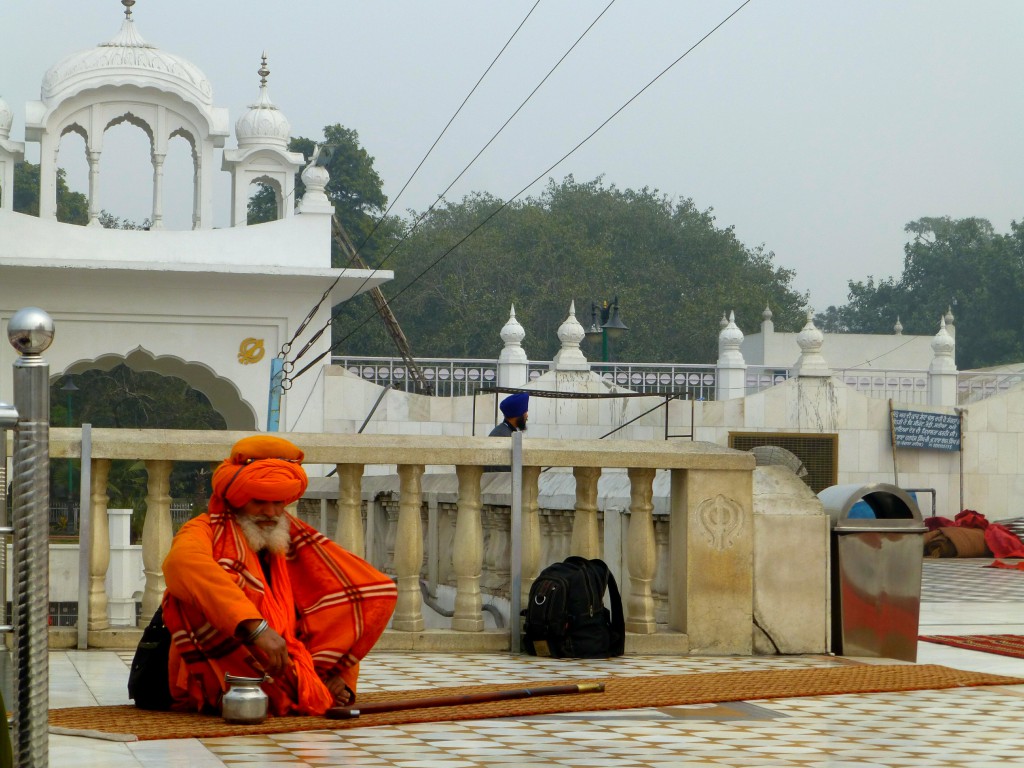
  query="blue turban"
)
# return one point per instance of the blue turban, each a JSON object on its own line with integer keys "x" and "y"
{"x": 515, "y": 405}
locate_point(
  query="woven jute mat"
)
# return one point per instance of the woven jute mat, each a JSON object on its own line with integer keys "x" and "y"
{"x": 128, "y": 723}
{"x": 1005, "y": 645}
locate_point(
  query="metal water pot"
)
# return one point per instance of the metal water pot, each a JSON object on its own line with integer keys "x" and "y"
{"x": 244, "y": 702}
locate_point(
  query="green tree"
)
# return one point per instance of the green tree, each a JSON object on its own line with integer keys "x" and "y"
{"x": 958, "y": 263}
{"x": 355, "y": 189}
{"x": 123, "y": 398}
{"x": 72, "y": 207}
{"x": 674, "y": 270}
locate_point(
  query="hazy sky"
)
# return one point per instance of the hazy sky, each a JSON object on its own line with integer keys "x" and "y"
{"x": 818, "y": 128}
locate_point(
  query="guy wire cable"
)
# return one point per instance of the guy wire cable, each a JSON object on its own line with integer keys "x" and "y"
{"x": 422, "y": 217}
{"x": 540, "y": 176}
{"x": 286, "y": 347}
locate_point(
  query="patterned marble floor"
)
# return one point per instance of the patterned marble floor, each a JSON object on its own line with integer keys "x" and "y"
{"x": 976, "y": 727}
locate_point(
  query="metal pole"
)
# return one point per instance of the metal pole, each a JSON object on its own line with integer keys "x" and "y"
{"x": 30, "y": 331}
{"x": 84, "y": 536}
{"x": 8, "y": 420}
{"x": 516, "y": 555}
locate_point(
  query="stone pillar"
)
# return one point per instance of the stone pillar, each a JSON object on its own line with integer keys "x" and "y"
{"x": 121, "y": 576}
{"x": 732, "y": 368}
{"x": 640, "y": 553}
{"x": 350, "y": 508}
{"x": 48, "y": 151}
{"x": 531, "y": 533}
{"x": 409, "y": 549}
{"x": 712, "y": 546}
{"x": 942, "y": 373}
{"x": 513, "y": 365}
{"x": 93, "y": 156}
{"x": 157, "y": 532}
{"x": 197, "y": 188}
{"x": 467, "y": 553}
{"x": 157, "y": 221}
{"x": 586, "y": 540}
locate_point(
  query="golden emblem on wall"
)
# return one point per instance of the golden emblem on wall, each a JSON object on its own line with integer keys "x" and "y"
{"x": 251, "y": 351}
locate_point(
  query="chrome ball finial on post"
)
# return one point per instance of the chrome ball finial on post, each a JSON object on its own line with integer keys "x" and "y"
{"x": 30, "y": 331}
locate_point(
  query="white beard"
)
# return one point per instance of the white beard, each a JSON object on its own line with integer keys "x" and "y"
{"x": 276, "y": 539}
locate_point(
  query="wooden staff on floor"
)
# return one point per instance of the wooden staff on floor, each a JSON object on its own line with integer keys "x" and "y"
{"x": 344, "y": 713}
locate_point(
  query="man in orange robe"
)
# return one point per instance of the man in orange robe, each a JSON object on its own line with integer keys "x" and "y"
{"x": 252, "y": 590}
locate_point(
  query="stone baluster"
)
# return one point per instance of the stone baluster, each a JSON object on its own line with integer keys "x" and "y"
{"x": 501, "y": 533}
{"x": 157, "y": 532}
{"x": 489, "y": 522}
{"x": 409, "y": 549}
{"x": 467, "y": 555}
{"x": 531, "y": 539}
{"x": 586, "y": 540}
{"x": 350, "y": 509}
{"x": 640, "y": 552}
{"x": 564, "y": 529}
{"x": 391, "y": 515}
{"x": 446, "y": 540}
{"x": 661, "y": 577}
{"x": 547, "y": 538}
{"x": 99, "y": 550}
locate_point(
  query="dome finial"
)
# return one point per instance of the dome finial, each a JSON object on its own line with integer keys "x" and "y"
{"x": 263, "y": 71}
{"x": 128, "y": 8}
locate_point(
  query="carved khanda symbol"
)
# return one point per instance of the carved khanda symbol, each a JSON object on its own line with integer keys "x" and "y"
{"x": 251, "y": 351}
{"x": 720, "y": 519}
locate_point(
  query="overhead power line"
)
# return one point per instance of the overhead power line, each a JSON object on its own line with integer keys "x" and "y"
{"x": 440, "y": 197}
{"x": 286, "y": 347}
{"x": 540, "y": 176}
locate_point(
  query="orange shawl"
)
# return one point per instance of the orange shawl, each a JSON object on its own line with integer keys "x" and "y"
{"x": 329, "y": 605}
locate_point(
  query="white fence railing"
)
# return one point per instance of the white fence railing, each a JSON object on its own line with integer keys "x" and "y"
{"x": 452, "y": 377}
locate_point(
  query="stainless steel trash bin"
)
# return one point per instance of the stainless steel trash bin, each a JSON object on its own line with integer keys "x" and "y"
{"x": 877, "y": 554}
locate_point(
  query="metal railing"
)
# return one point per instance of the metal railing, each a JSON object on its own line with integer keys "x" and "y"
{"x": 450, "y": 377}
{"x": 901, "y": 385}
{"x": 454, "y": 377}
{"x": 977, "y": 385}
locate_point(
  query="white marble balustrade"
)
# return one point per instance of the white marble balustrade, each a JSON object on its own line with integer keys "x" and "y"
{"x": 685, "y": 576}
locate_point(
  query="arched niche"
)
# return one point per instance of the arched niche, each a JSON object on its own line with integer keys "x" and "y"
{"x": 224, "y": 396}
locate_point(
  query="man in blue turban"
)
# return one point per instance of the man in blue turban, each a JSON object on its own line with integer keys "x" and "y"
{"x": 514, "y": 408}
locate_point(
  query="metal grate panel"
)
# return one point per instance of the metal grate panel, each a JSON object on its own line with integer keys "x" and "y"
{"x": 819, "y": 453}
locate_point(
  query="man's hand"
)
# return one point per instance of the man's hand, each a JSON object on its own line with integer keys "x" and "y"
{"x": 270, "y": 647}
{"x": 342, "y": 694}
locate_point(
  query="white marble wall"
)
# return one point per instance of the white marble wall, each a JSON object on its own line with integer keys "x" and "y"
{"x": 993, "y": 444}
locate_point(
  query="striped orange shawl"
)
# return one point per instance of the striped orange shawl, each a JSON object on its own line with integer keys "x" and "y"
{"x": 329, "y": 605}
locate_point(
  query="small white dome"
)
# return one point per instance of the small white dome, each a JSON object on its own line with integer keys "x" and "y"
{"x": 6, "y": 119}
{"x": 126, "y": 59}
{"x": 263, "y": 123}
{"x": 731, "y": 336}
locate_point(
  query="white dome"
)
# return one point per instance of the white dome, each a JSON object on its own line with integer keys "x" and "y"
{"x": 263, "y": 123}
{"x": 6, "y": 119}
{"x": 127, "y": 59}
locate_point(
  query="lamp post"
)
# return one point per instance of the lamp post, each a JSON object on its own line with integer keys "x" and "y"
{"x": 611, "y": 324}
{"x": 69, "y": 387}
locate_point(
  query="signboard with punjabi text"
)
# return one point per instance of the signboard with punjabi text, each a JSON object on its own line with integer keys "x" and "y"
{"x": 920, "y": 429}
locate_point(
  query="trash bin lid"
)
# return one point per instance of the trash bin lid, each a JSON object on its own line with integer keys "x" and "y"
{"x": 871, "y": 507}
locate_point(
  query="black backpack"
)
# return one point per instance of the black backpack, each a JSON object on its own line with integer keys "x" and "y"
{"x": 148, "y": 685}
{"x": 566, "y": 616}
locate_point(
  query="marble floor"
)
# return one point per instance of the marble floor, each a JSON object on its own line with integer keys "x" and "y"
{"x": 977, "y": 727}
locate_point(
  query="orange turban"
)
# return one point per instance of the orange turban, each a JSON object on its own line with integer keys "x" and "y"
{"x": 259, "y": 467}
